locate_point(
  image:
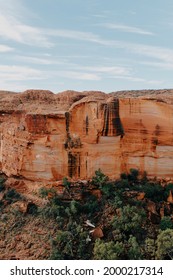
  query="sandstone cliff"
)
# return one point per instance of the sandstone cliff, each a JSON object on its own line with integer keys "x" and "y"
{"x": 46, "y": 136}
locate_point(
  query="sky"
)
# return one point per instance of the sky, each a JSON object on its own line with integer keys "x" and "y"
{"x": 104, "y": 45}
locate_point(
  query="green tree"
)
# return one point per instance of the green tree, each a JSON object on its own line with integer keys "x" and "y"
{"x": 134, "y": 251}
{"x": 99, "y": 179}
{"x": 165, "y": 245}
{"x": 165, "y": 223}
{"x": 130, "y": 220}
{"x": 133, "y": 175}
{"x": 150, "y": 249}
{"x": 107, "y": 250}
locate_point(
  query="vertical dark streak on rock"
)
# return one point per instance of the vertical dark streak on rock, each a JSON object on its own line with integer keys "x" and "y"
{"x": 71, "y": 165}
{"x": 78, "y": 165}
{"x": 87, "y": 125}
{"x": 106, "y": 121}
{"x": 112, "y": 122}
{"x": 67, "y": 122}
{"x": 97, "y": 111}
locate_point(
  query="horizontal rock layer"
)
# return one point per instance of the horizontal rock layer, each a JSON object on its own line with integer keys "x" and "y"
{"x": 46, "y": 136}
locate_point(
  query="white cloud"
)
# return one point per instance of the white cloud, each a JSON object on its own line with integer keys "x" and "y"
{"x": 105, "y": 69}
{"x": 4, "y": 48}
{"x": 72, "y": 34}
{"x": 12, "y": 29}
{"x": 139, "y": 80}
{"x": 34, "y": 60}
{"x": 78, "y": 75}
{"x": 126, "y": 28}
{"x": 19, "y": 73}
{"x": 162, "y": 65}
{"x": 163, "y": 54}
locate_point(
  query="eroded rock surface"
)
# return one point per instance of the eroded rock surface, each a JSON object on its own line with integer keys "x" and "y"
{"x": 46, "y": 136}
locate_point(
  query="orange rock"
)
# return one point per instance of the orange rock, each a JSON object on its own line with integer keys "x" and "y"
{"x": 97, "y": 193}
{"x": 140, "y": 196}
{"x": 162, "y": 212}
{"x": 97, "y": 233}
{"x": 170, "y": 197}
{"x": 45, "y": 137}
{"x": 151, "y": 207}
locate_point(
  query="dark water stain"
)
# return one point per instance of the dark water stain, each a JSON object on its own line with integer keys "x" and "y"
{"x": 157, "y": 131}
{"x": 87, "y": 125}
{"x": 112, "y": 122}
{"x": 73, "y": 164}
{"x": 67, "y": 121}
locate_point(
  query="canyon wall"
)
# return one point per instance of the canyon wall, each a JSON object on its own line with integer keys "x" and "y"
{"x": 46, "y": 136}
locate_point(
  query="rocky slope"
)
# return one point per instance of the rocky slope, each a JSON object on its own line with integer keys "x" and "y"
{"x": 46, "y": 136}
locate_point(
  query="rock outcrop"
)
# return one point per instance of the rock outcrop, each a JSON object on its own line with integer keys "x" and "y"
{"x": 46, "y": 136}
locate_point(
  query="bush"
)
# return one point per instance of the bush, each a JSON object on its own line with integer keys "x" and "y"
{"x": 70, "y": 244}
{"x": 150, "y": 249}
{"x": 12, "y": 195}
{"x": 154, "y": 192}
{"x": 168, "y": 188}
{"x": 133, "y": 175}
{"x": 2, "y": 187}
{"x": 123, "y": 176}
{"x": 108, "y": 250}
{"x": 130, "y": 220}
{"x": 165, "y": 245}
{"x": 66, "y": 183}
{"x": 44, "y": 192}
{"x": 99, "y": 179}
{"x": 166, "y": 223}
{"x": 134, "y": 250}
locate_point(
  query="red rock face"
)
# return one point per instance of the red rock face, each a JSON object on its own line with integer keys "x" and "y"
{"x": 45, "y": 137}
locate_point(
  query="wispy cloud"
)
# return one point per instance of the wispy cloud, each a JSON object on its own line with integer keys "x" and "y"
{"x": 76, "y": 75}
{"x": 12, "y": 29}
{"x": 127, "y": 29}
{"x": 140, "y": 80}
{"x": 160, "y": 53}
{"x": 19, "y": 73}
{"x": 161, "y": 65}
{"x": 34, "y": 60}
{"x": 4, "y": 48}
{"x": 106, "y": 70}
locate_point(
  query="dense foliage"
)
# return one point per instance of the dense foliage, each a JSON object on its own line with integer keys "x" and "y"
{"x": 129, "y": 218}
{"x": 130, "y": 229}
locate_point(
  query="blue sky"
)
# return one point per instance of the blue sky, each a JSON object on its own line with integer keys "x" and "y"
{"x": 105, "y": 45}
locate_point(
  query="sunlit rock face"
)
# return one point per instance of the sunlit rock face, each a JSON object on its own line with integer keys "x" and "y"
{"x": 46, "y": 136}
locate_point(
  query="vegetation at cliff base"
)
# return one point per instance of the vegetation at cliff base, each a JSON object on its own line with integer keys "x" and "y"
{"x": 127, "y": 212}
{"x": 130, "y": 218}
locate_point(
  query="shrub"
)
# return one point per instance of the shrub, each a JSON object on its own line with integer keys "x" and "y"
{"x": 2, "y": 187}
{"x": 66, "y": 183}
{"x": 70, "y": 244}
{"x": 123, "y": 176}
{"x": 150, "y": 249}
{"x": 12, "y": 195}
{"x": 99, "y": 179}
{"x": 165, "y": 245}
{"x": 134, "y": 250}
{"x": 133, "y": 175}
{"x": 130, "y": 220}
{"x": 166, "y": 223}
{"x": 107, "y": 250}
{"x": 44, "y": 192}
{"x": 168, "y": 188}
{"x": 155, "y": 192}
